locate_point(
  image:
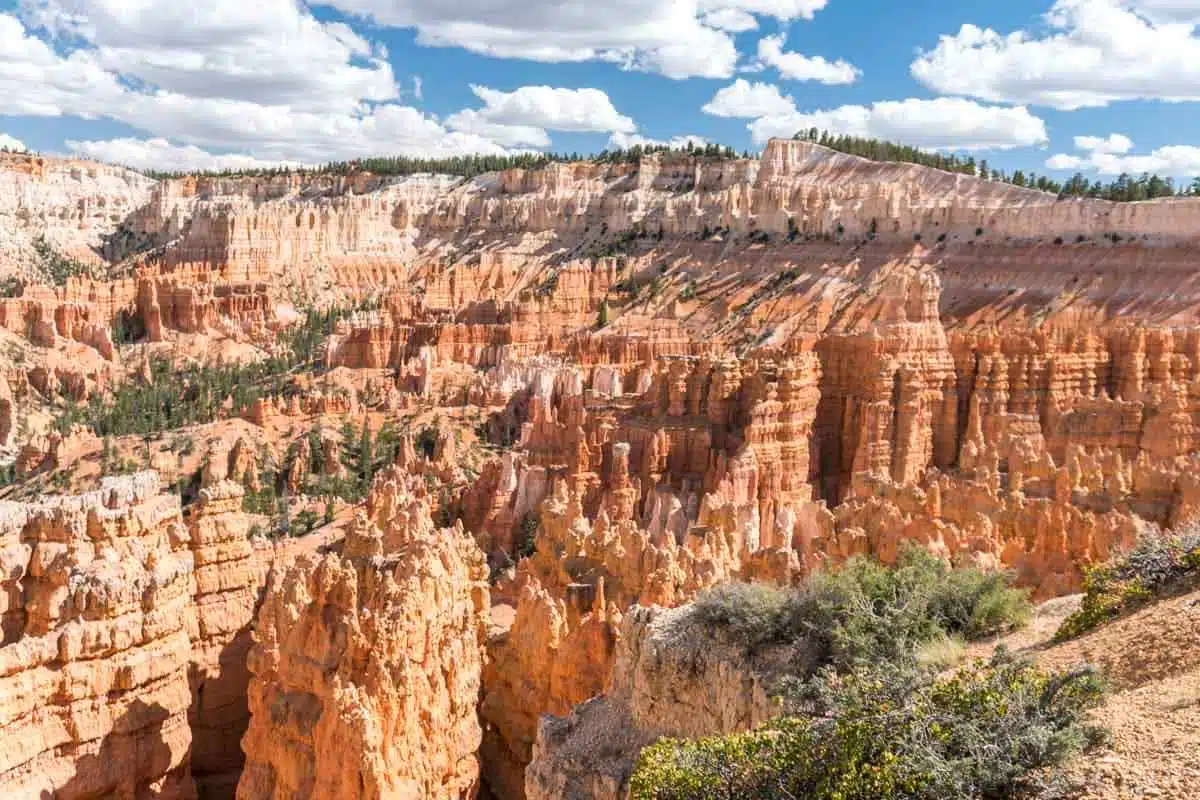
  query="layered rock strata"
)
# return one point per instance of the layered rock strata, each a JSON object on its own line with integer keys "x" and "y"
{"x": 94, "y": 667}
{"x": 228, "y": 575}
{"x": 670, "y": 679}
{"x": 366, "y": 664}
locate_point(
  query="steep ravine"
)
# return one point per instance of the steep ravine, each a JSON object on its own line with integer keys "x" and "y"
{"x": 611, "y": 387}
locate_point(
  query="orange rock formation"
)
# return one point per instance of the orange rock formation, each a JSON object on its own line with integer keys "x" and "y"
{"x": 367, "y": 665}
{"x": 684, "y": 372}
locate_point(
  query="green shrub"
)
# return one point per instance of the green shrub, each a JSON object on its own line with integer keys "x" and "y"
{"x": 264, "y": 501}
{"x": 865, "y": 612}
{"x": 527, "y": 542}
{"x": 1158, "y": 566}
{"x": 178, "y": 395}
{"x": 753, "y": 614}
{"x": 426, "y": 442}
{"x": 976, "y": 603}
{"x": 885, "y": 734}
{"x": 11, "y": 286}
{"x": 306, "y": 521}
{"x": 57, "y": 266}
{"x": 547, "y": 286}
{"x": 349, "y": 489}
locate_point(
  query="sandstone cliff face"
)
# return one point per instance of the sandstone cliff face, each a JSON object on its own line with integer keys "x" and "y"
{"x": 94, "y": 667}
{"x": 356, "y": 230}
{"x": 227, "y": 578}
{"x": 75, "y": 205}
{"x": 366, "y": 665}
{"x": 692, "y": 372}
{"x": 669, "y": 679}
{"x": 126, "y": 627}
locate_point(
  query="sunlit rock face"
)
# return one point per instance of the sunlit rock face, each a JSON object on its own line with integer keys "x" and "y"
{"x": 667, "y": 680}
{"x": 641, "y": 380}
{"x": 94, "y": 666}
{"x": 366, "y": 666}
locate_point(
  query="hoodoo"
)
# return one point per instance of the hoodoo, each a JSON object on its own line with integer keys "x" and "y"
{"x": 538, "y": 482}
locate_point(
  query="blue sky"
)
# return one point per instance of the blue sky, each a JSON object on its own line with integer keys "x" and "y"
{"x": 1051, "y": 86}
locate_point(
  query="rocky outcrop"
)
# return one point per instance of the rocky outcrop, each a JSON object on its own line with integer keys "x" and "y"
{"x": 126, "y": 628}
{"x": 75, "y": 206}
{"x": 94, "y": 667}
{"x": 671, "y": 678}
{"x": 574, "y": 589}
{"x": 227, "y": 579}
{"x": 367, "y": 664}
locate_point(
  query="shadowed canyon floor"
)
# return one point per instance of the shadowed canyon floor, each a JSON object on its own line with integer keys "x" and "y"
{"x": 334, "y": 485}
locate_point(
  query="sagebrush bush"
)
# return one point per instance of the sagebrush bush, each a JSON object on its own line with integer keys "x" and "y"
{"x": 975, "y": 603}
{"x": 865, "y": 715}
{"x": 755, "y": 614}
{"x": 867, "y": 613}
{"x": 1158, "y": 566}
{"x": 885, "y": 734}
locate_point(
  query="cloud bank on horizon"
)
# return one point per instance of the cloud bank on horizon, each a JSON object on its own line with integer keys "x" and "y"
{"x": 154, "y": 84}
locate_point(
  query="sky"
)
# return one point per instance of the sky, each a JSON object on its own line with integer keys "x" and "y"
{"x": 1046, "y": 86}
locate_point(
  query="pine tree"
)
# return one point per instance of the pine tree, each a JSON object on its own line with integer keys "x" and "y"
{"x": 366, "y": 457}
{"x": 285, "y": 512}
{"x": 316, "y": 449}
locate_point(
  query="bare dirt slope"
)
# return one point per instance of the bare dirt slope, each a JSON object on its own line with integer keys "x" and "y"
{"x": 1152, "y": 659}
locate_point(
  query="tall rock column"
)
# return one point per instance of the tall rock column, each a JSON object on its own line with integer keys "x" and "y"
{"x": 226, "y": 583}
{"x": 366, "y": 665}
{"x": 888, "y": 394}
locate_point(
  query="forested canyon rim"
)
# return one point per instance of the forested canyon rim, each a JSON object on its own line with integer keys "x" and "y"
{"x": 435, "y": 445}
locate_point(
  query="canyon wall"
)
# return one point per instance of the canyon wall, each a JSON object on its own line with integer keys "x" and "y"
{"x": 126, "y": 626}
{"x": 367, "y": 664}
{"x": 77, "y": 207}
{"x": 632, "y": 382}
{"x": 360, "y": 229}
{"x": 94, "y": 667}
{"x": 363, "y": 232}
{"x": 671, "y": 678}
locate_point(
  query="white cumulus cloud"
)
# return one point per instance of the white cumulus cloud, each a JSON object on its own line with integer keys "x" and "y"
{"x": 36, "y": 81}
{"x": 143, "y": 154}
{"x": 294, "y": 119}
{"x": 523, "y": 116}
{"x": 232, "y": 82}
{"x": 1096, "y": 52}
{"x": 799, "y": 67}
{"x": 746, "y": 100}
{"x": 1113, "y": 143}
{"x": 940, "y": 124}
{"x": 624, "y": 141}
{"x": 579, "y": 110}
{"x": 265, "y": 51}
{"x": 1111, "y": 156}
{"x": 731, "y": 19}
{"x": 675, "y": 38}
{"x": 11, "y": 144}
